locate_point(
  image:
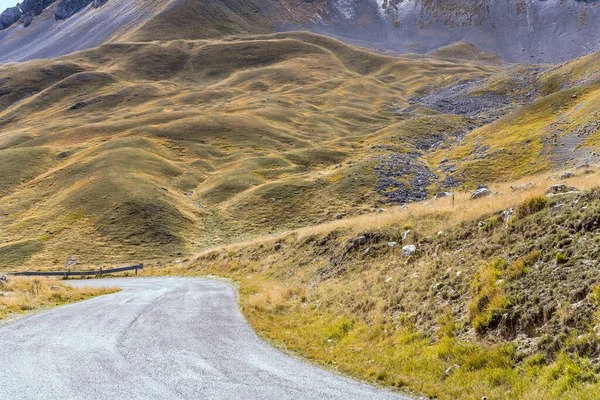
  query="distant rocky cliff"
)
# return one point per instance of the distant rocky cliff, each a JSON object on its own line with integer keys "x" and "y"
{"x": 518, "y": 30}
{"x": 531, "y": 31}
{"x": 26, "y": 11}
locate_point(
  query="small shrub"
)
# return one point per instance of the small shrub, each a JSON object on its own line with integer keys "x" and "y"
{"x": 447, "y": 326}
{"x": 492, "y": 223}
{"x": 531, "y": 206}
{"x": 561, "y": 258}
{"x": 488, "y": 299}
{"x": 339, "y": 329}
{"x": 519, "y": 268}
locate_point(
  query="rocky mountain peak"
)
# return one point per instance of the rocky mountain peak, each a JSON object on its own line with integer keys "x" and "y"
{"x": 524, "y": 31}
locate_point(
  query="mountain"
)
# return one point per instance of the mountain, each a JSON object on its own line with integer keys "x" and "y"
{"x": 424, "y": 220}
{"x": 196, "y": 123}
{"x": 160, "y": 149}
{"x": 49, "y": 32}
{"x": 531, "y": 31}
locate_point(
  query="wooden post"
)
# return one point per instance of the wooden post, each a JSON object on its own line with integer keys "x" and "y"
{"x": 100, "y": 272}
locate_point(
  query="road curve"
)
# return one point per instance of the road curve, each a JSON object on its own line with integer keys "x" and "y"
{"x": 159, "y": 338}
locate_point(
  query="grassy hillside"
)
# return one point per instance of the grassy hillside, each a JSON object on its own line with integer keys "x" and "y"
{"x": 500, "y": 299}
{"x": 146, "y": 151}
{"x": 299, "y": 166}
{"x": 158, "y": 150}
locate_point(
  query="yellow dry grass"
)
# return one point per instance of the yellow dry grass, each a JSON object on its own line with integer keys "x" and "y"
{"x": 21, "y": 295}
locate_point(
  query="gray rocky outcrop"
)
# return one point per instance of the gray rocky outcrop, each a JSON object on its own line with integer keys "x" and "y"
{"x": 33, "y": 8}
{"x": 67, "y": 8}
{"x": 29, "y": 9}
{"x": 9, "y": 17}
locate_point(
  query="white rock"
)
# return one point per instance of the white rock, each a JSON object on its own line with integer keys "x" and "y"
{"x": 409, "y": 250}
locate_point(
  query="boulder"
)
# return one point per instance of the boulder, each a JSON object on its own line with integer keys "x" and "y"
{"x": 567, "y": 175}
{"x": 507, "y": 214}
{"x": 9, "y": 17}
{"x": 361, "y": 240}
{"x": 27, "y": 19}
{"x": 560, "y": 188}
{"x": 482, "y": 191}
{"x": 443, "y": 194}
{"x": 67, "y": 8}
{"x": 355, "y": 243}
{"x": 409, "y": 250}
{"x": 3, "y": 279}
{"x": 556, "y": 208}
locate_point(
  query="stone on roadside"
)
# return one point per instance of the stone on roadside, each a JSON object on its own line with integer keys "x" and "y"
{"x": 409, "y": 250}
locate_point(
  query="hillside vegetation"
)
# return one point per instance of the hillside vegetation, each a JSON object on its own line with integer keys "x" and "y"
{"x": 300, "y": 166}
{"x": 155, "y": 151}
{"x": 500, "y": 300}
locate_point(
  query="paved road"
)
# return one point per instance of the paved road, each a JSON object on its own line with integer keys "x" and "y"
{"x": 159, "y": 338}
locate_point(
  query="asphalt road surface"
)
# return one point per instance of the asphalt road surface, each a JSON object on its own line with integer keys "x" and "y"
{"x": 159, "y": 338}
